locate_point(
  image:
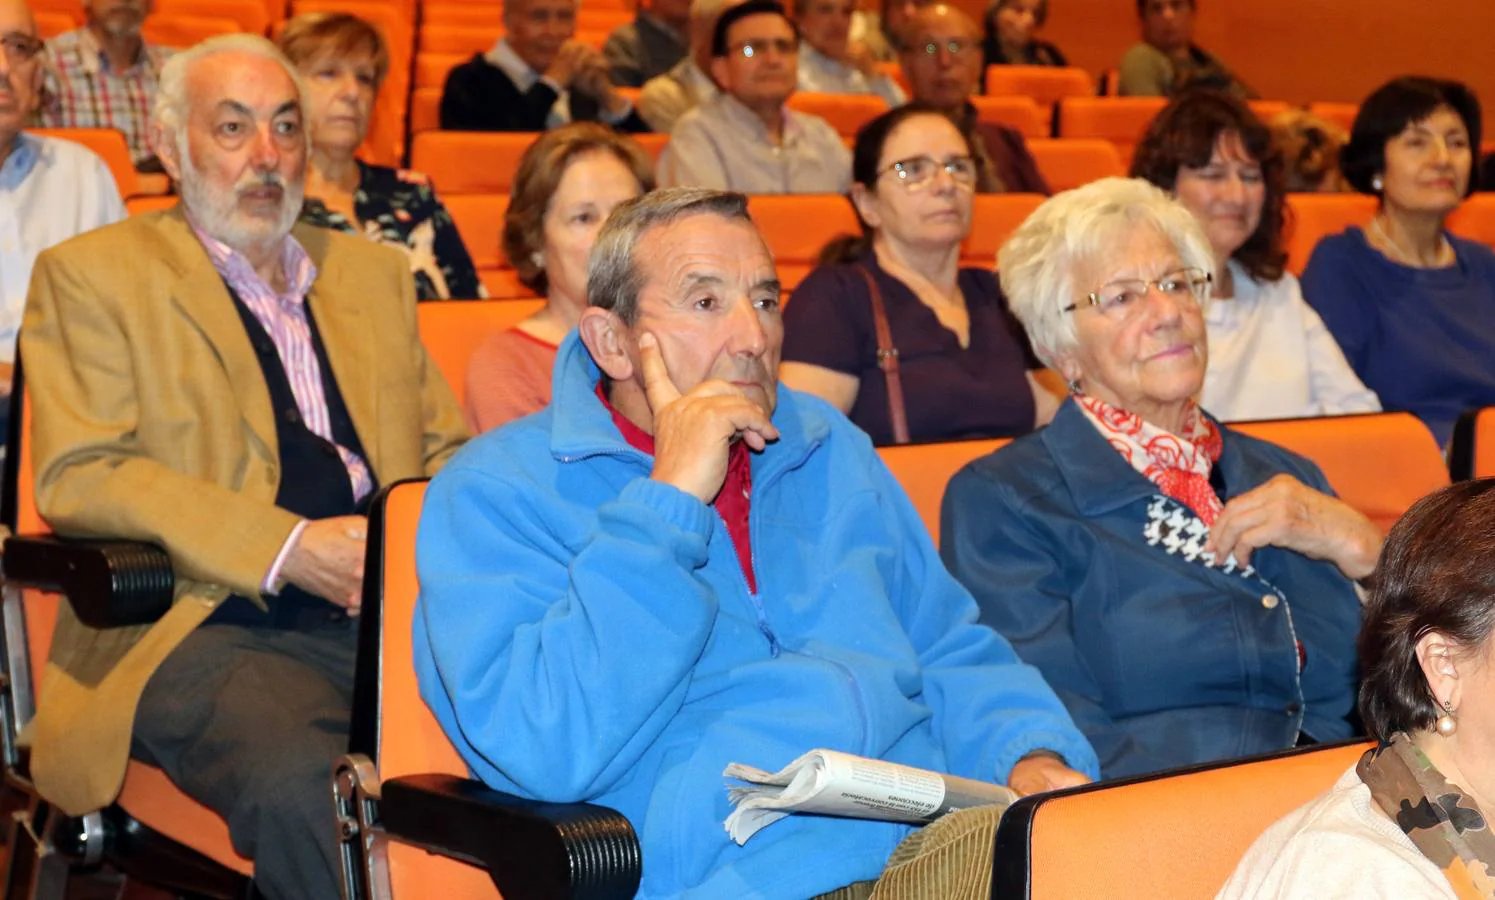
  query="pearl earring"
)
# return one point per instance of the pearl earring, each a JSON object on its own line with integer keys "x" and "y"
{"x": 537, "y": 258}
{"x": 1378, "y": 184}
{"x": 1446, "y": 723}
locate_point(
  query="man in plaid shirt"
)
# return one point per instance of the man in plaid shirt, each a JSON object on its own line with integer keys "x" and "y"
{"x": 104, "y": 74}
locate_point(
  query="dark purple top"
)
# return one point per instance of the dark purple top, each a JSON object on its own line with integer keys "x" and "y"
{"x": 949, "y": 392}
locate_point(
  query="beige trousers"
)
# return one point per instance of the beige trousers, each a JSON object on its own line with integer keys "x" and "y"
{"x": 948, "y": 859}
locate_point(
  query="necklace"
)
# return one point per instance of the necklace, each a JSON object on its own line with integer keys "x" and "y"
{"x": 1445, "y": 250}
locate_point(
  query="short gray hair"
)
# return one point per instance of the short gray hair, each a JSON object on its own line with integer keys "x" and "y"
{"x": 613, "y": 277}
{"x": 169, "y": 113}
{"x": 1038, "y": 265}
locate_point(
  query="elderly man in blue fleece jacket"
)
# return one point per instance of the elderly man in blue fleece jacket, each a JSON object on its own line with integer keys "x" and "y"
{"x": 680, "y": 564}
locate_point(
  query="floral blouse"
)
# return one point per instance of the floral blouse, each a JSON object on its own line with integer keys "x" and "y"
{"x": 400, "y": 208}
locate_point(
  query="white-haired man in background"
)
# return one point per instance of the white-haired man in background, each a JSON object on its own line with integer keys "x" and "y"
{"x": 232, "y": 386}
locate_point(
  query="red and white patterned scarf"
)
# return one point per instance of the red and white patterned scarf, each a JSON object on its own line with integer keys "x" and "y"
{"x": 1178, "y": 465}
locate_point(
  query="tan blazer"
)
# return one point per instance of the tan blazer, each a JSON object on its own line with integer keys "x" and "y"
{"x": 151, "y": 421}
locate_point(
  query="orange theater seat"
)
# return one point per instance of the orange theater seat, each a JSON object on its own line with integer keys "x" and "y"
{"x": 480, "y": 220}
{"x": 462, "y": 39}
{"x": 925, "y": 469}
{"x": 1315, "y": 216}
{"x": 425, "y": 110}
{"x": 1014, "y": 112}
{"x": 50, "y": 23}
{"x": 470, "y": 162}
{"x": 431, "y": 68}
{"x": 451, "y": 331}
{"x": 111, "y": 147}
{"x": 137, "y": 205}
{"x": 480, "y": 15}
{"x": 846, "y": 113}
{"x": 1471, "y": 452}
{"x": 1070, "y": 162}
{"x": 1178, "y": 833}
{"x": 250, "y": 15}
{"x": 184, "y": 31}
{"x": 1120, "y": 120}
{"x": 1475, "y": 219}
{"x": 1044, "y": 85}
{"x": 1379, "y": 463}
{"x": 1341, "y": 114}
{"x": 653, "y": 144}
{"x": 993, "y": 219}
{"x": 797, "y": 227}
{"x": 1267, "y": 110}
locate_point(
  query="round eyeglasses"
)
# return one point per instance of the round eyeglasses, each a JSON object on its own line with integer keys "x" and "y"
{"x": 918, "y": 172}
{"x": 1122, "y": 298}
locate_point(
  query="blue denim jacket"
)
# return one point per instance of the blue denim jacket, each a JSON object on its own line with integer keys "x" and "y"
{"x": 1162, "y": 660}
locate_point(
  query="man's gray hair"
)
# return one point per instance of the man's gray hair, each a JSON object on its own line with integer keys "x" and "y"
{"x": 1040, "y": 264}
{"x": 613, "y": 277}
{"x": 172, "y": 105}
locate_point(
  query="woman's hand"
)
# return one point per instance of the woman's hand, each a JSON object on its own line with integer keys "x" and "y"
{"x": 1286, "y": 513}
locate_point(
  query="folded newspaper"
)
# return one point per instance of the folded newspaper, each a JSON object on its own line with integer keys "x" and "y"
{"x": 832, "y": 783}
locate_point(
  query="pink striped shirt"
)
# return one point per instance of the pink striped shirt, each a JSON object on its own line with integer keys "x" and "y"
{"x": 284, "y": 318}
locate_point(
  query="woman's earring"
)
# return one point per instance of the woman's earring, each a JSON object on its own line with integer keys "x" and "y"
{"x": 1377, "y": 184}
{"x": 1446, "y": 723}
{"x": 537, "y": 259}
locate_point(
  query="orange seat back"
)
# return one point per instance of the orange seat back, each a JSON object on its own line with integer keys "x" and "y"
{"x": 1120, "y": 120}
{"x": 1267, "y": 110}
{"x": 250, "y": 15}
{"x": 138, "y": 205}
{"x": 184, "y": 31}
{"x": 410, "y": 740}
{"x": 51, "y": 22}
{"x": 1014, "y": 112}
{"x": 111, "y": 147}
{"x": 1174, "y": 834}
{"x": 472, "y": 15}
{"x": 797, "y": 227}
{"x": 431, "y": 68}
{"x": 1044, "y": 85}
{"x": 1475, "y": 219}
{"x": 993, "y": 219}
{"x": 1471, "y": 453}
{"x": 480, "y": 220}
{"x": 470, "y": 162}
{"x": 925, "y": 469}
{"x": 425, "y": 110}
{"x": 653, "y": 144}
{"x": 1341, "y": 114}
{"x": 1380, "y": 463}
{"x": 451, "y": 331}
{"x": 1312, "y": 217}
{"x": 846, "y": 113}
{"x": 1071, "y": 162}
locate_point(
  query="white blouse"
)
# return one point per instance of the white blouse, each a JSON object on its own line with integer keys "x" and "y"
{"x": 1270, "y": 357}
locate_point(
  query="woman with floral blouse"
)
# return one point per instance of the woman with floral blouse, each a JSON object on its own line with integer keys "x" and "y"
{"x": 344, "y": 60}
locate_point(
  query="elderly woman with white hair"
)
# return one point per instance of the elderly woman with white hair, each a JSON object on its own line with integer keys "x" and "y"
{"x": 1188, "y": 591}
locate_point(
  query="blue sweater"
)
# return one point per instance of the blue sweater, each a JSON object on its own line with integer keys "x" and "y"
{"x": 586, "y": 633}
{"x": 1422, "y": 339}
{"x": 1162, "y": 660}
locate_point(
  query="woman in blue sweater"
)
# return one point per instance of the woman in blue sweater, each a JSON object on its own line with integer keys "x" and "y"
{"x": 1412, "y": 306}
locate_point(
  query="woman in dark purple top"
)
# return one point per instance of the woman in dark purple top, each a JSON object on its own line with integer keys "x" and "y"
{"x": 964, "y": 361}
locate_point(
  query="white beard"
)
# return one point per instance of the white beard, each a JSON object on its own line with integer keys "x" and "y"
{"x": 219, "y": 215}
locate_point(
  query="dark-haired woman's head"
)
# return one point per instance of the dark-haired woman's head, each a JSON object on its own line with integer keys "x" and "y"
{"x": 1413, "y": 144}
{"x": 913, "y": 177}
{"x": 1013, "y": 23}
{"x": 1425, "y": 642}
{"x": 1219, "y": 160}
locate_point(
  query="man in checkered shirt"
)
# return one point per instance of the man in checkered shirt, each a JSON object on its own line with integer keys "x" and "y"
{"x": 103, "y": 75}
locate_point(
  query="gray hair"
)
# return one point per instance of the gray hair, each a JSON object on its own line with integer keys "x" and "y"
{"x": 613, "y": 277}
{"x": 1038, "y": 264}
{"x": 169, "y": 114}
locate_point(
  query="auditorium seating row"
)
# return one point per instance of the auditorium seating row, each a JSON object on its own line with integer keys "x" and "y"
{"x": 406, "y": 805}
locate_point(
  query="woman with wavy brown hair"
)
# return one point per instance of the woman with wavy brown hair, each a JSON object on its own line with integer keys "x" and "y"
{"x": 567, "y": 183}
{"x": 1270, "y": 356}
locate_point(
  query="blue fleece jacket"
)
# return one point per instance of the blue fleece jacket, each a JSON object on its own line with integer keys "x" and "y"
{"x": 586, "y": 633}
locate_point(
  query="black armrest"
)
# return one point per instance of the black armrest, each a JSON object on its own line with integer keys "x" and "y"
{"x": 108, "y": 583}
{"x": 531, "y": 849}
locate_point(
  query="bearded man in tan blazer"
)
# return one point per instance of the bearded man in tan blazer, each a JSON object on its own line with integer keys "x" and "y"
{"x": 232, "y": 386}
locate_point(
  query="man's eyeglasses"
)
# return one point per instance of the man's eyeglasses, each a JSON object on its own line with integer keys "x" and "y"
{"x": 755, "y": 48}
{"x": 1121, "y": 299}
{"x": 917, "y": 172}
{"x": 19, "y": 48}
{"x": 955, "y": 47}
